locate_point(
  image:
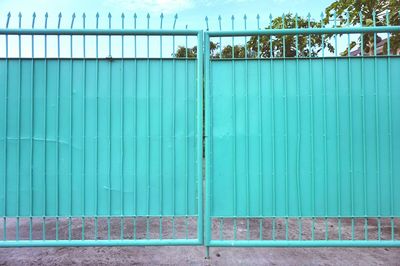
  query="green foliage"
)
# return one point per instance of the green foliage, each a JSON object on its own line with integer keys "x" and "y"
{"x": 348, "y": 13}
{"x": 290, "y": 45}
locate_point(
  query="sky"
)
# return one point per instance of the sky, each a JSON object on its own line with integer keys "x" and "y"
{"x": 191, "y": 14}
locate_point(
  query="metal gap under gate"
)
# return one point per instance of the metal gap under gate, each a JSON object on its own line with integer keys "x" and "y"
{"x": 108, "y": 150}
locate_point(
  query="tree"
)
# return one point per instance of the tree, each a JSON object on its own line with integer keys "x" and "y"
{"x": 183, "y": 52}
{"x": 348, "y": 12}
{"x": 301, "y": 45}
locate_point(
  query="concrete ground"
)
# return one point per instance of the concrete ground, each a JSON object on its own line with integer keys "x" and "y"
{"x": 195, "y": 256}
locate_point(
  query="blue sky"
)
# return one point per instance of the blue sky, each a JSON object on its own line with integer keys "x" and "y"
{"x": 190, "y": 12}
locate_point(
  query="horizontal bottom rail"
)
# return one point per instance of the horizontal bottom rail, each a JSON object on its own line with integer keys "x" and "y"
{"x": 304, "y": 243}
{"x": 99, "y": 243}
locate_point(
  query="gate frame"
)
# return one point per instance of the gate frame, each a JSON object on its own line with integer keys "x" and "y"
{"x": 198, "y": 139}
{"x": 208, "y": 242}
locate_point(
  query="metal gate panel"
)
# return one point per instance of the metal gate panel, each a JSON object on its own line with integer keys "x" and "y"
{"x": 301, "y": 151}
{"x": 100, "y": 151}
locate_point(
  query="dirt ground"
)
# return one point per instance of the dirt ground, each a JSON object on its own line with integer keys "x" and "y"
{"x": 193, "y": 255}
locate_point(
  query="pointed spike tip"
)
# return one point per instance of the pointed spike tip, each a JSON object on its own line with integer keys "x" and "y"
{"x": 84, "y": 15}
{"x": 34, "y": 14}
{"x": 20, "y": 14}
{"x": 244, "y": 17}
{"x": 162, "y": 15}
{"x": 134, "y": 15}
{"x": 206, "y": 18}
{"x": 270, "y": 16}
{"x": 148, "y": 15}
{"x": 59, "y": 15}
{"x": 46, "y": 15}
{"x": 122, "y": 15}
{"x": 9, "y": 14}
{"x": 97, "y": 15}
{"x": 176, "y": 16}
{"x": 109, "y": 15}
{"x": 233, "y": 17}
{"x": 73, "y": 15}
{"x": 258, "y": 16}
{"x": 219, "y": 18}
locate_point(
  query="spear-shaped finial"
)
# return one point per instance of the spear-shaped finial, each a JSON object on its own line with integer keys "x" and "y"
{"x": 206, "y": 19}
{"x": 33, "y": 19}
{"x": 219, "y": 22}
{"x": 134, "y": 20}
{"x": 8, "y": 19}
{"x": 73, "y": 19}
{"x": 258, "y": 21}
{"x": 148, "y": 21}
{"x": 59, "y": 20}
{"x": 175, "y": 18}
{"x": 97, "y": 20}
{"x": 123, "y": 20}
{"x": 233, "y": 22}
{"x": 84, "y": 20}
{"x": 46, "y": 16}
{"x": 161, "y": 20}
{"x": 19, "y": 19}
{"x": 109, "y": 20}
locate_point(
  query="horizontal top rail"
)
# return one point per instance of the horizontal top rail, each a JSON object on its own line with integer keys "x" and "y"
{"x": 137, "y": 32}
{"x": 297, "y": 31}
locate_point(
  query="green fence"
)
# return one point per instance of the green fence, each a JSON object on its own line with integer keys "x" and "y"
{"x": 102, "y": 135}
{"x": 301, "y": 149}
{"x": 100, "y": 151}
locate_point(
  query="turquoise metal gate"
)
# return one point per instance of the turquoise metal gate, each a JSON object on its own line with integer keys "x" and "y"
{"x": 301, "y": 150}
{"x": 99, "y": 150}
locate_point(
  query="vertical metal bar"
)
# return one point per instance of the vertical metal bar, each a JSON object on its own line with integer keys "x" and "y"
{"x": 45, "y": 131}
{"x": 208, "y": 140}
{"x": 363, "y": 130}
{"x": 298, "y": 122}
{"x": 220, "y": 38}
{"x": 71, "y": 105}
{"x": 271, "y": 70}
{"x": 285, "y": 120}
{"x": 186, "y": 136}
{"x": 148, "y": 130}
{"x": 311, "y": 119}
{"x": 136, "y": 132}
{"x": 161, "y": 173}
{"x": 337, "y": 127}
{"x": 246, "y": 125}
{"x": 109, "y": 128}
{"x": 221, "y": 228}
{"x": 173, "y": 131}
{"x": 122, "y": 128}
{"x": 260, "y": 124}
{"x": 350, "y": 92}
{"x": 97, "y": 133}
{"x": 234, "y": 132}
{"x": 5, "y": 135}
{"x": 84, "y": 130}
{"x": 58, "y": 129}
{"x": 325, "y": 125}
{"x": 19, "y": 128}
{"x": 378, "y": 187}
{"x": 32, "y": 129}
{"x": 390, "y": 128}
{"x": 199, "y": 136}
